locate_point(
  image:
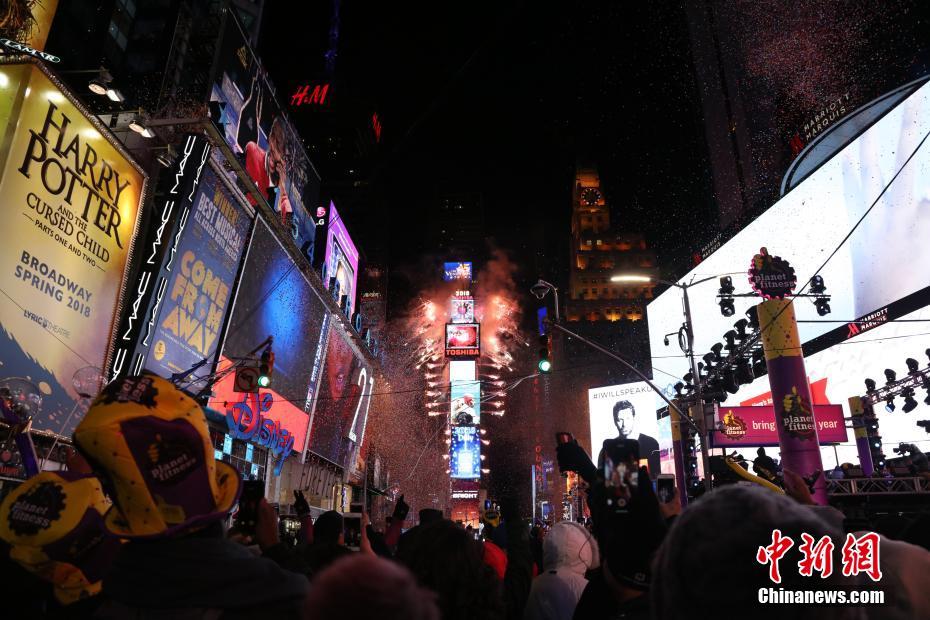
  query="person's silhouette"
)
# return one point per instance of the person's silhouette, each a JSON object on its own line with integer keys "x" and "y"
{"x": 625, "y": 421}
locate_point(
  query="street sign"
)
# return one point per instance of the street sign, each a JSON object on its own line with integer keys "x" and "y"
{"x": 246, "y": 379}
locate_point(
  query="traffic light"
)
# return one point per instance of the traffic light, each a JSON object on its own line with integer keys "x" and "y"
{"x": 822, "y": 300}
{"x": 545, "y": 353}
{"x": 726, "y": 296}
{"x": 266, "y": 367}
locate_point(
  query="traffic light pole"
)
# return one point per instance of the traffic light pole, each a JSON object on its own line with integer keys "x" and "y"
{"x": 637, "y": 371}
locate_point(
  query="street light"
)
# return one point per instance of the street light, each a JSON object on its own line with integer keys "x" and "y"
{"x": 541, "y": 288}
{"x": 628, "y": 277}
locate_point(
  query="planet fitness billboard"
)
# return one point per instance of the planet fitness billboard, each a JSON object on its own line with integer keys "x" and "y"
{"x": 72, "y": 198}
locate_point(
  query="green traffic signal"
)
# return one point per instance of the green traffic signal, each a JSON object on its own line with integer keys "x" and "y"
{"x": 264, "y": 380}
{"x": 544, "y": 365}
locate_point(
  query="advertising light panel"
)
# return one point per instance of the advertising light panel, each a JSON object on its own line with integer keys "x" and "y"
{"x": 755, "y": 426}
{"x": 343, "y": 402}
{"x": 275, "y": 299}
{"x": 631, "y": 406}
{"x": 465, "y": 453}
{"x": 341, "y": 259}
{"x": 72, "y": 198}
{"x": 871, "y": 278}
{"x": 452, "y": 272}
{"x": 200, "y": 289}
{"x": 463, "y": 340}
{"x": 256, "y": 127}
{"x": 462, "y": 310}
{"x": 465, "y": 391}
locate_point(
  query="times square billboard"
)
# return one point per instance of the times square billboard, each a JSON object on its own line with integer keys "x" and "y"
{"x": 73, "y": 197}
{"x": 340, "y": 260}
{"x": 247, "y": 113}
{"x": 877, "y": 279}
{"x": 272, "y": 295}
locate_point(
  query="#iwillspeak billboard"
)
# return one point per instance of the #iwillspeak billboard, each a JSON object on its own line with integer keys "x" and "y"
{"x": 465, "y": 453}
{"x": 342, "y": 403}
{"x": 463, "y": 340}
{"x": 201, "y": 284}
{"x": 465, "y": 392}
{"x": 341, "y": 259}
{"x": 259, "y": 132}
{"x": 72, "y": 199}
{"x": 275, "y": 299}
{"x": 630, "y": 409}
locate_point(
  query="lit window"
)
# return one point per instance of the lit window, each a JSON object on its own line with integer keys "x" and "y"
{"x": 599, "y": 242}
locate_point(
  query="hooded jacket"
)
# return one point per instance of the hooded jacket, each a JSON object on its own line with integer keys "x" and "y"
{"x": 199, "y": 577}
{"x": 569, "y": 551}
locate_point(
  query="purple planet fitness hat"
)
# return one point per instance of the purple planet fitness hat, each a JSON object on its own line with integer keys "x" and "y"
{"x": 53, "y": 523}
{"x": 149, "y": 443}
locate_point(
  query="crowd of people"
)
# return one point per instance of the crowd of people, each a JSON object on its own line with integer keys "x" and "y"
{"x": 140, "y": 527}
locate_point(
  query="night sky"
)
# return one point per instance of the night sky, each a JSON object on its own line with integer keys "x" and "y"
{"x": 503, "y": 98}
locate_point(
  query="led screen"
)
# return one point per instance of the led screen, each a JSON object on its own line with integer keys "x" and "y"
{"x": 462, "y": 340}
{"x": 872, "y": 270}
{"x": 341, "y": 260}
{"x": 463, "y": 310}
{"x": 465, "y": 453}
{"x": 258, "y": 131}
{"x": 342, "y": 403}
{"x": 456, "y": 271}
{"x": 629, "y": 407}
{"x": 200, "y": 288}
{"x": 754, "y": 425}
{"x": 275, "y": 299}
{"x": 465, "y": 392}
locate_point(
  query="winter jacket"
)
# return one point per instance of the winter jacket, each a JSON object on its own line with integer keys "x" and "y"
{"x": 569, "y": 551}
{"x": 200, "y": 576}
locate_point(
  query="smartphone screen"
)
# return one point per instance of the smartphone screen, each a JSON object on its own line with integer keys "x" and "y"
{"x": 665, "y": 488}
{"x": 352, "y": 527}
{"x": 252, "y": 493}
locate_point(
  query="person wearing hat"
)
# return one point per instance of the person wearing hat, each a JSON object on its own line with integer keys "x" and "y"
{"x": 53, "y": 525}
{"x": 149, "y": 444}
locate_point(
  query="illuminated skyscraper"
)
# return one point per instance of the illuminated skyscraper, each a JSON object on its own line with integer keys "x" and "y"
{"x": 598, "y": 252}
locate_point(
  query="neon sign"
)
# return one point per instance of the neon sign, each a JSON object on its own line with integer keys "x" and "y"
{"x": 376, "y": 126}
{"x": 248, "y": 425}
{"x": 305, "y": 96}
